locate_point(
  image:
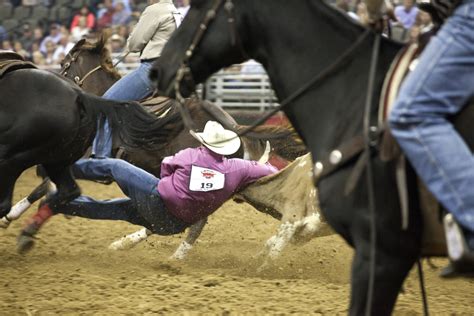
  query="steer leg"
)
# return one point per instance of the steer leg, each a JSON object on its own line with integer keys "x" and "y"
{"x": 275, "y": 245}
{"x": 194, "y": 232}
{"x": 131, "y": 240}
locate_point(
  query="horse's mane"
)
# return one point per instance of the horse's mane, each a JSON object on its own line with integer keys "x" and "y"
{"x": 98, "y": 48}
{"x": 137, "y": 129}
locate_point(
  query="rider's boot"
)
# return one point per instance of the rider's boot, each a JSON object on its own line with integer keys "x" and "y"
{"x": 460, "y": 250}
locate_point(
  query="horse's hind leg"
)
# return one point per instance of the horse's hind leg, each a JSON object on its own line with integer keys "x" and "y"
{"x": 67, "y": 190}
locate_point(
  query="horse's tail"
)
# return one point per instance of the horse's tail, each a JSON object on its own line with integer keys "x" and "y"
{"x": 135, "y": 127}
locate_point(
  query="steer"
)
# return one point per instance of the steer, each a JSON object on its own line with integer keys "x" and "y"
{"x": 288, "y": 195}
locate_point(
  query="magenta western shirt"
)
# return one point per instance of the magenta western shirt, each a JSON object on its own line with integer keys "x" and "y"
{"x": 191, "y": 206}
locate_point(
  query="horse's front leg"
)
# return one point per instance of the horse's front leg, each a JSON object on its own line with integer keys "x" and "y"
{"x": 67, "y": 190}
{"x": 391, "y": 269}
{"x": 194, "y": 232}
{"x": 24, "y": 204}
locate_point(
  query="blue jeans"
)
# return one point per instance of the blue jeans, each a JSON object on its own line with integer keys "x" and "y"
{"x": 133, "y": 87}
{"x": 439, "y": 87}
{"x": 143, "y": 206}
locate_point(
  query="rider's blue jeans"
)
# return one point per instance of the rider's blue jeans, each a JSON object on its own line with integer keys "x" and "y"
{"x": 133, "y": 87}
{"x": 143, "y": 205}
{"x": 439, "y": 87}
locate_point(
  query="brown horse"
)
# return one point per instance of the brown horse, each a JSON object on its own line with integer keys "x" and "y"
{"x": 89, "y": 65}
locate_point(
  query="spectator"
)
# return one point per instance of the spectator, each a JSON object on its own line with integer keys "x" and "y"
{"x": 18, "y": 48}
{"x": 3, "y": 33}
{"x": 7, "y": 45}
{"x": 121, "y": 16}
{"x": 126, "y": 4}
{"x": 27, "y": 37}
{"x": 117, "y": 44}
{"x": 50, "y": 49}
{"x": 407, "y": 13}
{"x": 84, "y": 13}
{"x": 64, "y": 46}
{"x": 105, "y": 14}
{"x": 54, "y": 36}
{"x": 80, "y": 30}
{"x": 38, "y": 58}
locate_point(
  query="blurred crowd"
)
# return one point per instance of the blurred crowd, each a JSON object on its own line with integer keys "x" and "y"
{"x": 43, "y": 31}
{"x": 407, "y": 22}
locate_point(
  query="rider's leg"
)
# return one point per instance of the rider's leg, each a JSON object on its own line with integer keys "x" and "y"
{"x": 132, "y": 180}
{"x": 114, "y": 209}
{"x": 439, "y": 87}
{"x": 141, "y": 187}
{"x": 134, "y": 86}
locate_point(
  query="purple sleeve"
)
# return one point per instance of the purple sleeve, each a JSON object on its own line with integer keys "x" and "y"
{"x": 257, "y": 170}
{"x": 171, "y": 163}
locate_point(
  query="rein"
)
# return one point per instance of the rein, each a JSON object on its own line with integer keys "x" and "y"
{"x": 184, "y": 71}
{"x": 77, "y": 79}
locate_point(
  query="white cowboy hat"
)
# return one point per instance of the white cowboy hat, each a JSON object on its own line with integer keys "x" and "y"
{"x": 218, "y": 139}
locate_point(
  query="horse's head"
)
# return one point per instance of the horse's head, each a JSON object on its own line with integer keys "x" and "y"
{"x": 207, "y": 41}
{"x": 89, "y": 65}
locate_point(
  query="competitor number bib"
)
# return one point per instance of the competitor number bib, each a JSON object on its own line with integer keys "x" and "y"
{"x": 205, "y": 179}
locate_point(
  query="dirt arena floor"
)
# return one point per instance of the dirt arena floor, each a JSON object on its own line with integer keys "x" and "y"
{"x": 71, "y": 271}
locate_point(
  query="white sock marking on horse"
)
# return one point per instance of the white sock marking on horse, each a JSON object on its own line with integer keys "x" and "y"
{"x": 130, "y": 241}
{"x": 18, "y": 209}
{"x": 182, "y": 251}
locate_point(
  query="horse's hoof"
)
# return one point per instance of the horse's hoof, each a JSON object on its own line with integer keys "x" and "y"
{"x": 4, "y": 223}
{"x": 25, "y": 243}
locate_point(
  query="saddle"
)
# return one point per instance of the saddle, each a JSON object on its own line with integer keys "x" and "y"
{"x": 10, "y": 61}
{"x": 433, "y": 239}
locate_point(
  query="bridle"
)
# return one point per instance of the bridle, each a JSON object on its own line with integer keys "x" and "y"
{"x": 77, "y": 79}
{"x": 184, "y": 71}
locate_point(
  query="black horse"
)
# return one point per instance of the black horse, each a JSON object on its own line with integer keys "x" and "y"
{"x": 45, "y": 119}
{"x": 318, "y": 58}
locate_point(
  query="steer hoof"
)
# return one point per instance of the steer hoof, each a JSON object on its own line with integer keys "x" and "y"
{"x": 25, "y": 243}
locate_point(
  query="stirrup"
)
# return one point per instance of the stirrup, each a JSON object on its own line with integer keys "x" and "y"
{"x": 458, "y": 249}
